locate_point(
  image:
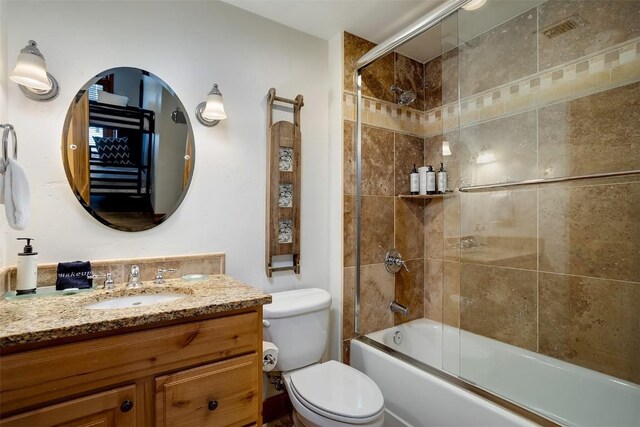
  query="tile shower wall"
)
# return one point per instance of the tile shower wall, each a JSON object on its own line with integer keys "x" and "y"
{"x": 388, "y": 155}
{"x": 553, "y": 269}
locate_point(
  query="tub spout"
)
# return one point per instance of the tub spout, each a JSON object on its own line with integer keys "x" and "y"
{"x": 399, "y": 308}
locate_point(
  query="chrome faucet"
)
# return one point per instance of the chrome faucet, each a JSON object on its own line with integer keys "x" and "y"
{"x": 393, "y": 262}
{"x": 108, "y": 280}
{"x": 134, "y": 277}
{"x": 159, "y": 280}
{"x": 396, "y": 307}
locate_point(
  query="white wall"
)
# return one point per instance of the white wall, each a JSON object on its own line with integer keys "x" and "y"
{"x": 190, "y": 45}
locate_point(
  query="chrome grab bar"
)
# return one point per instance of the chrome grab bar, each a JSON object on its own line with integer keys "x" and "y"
{"x": 489, "y": 187}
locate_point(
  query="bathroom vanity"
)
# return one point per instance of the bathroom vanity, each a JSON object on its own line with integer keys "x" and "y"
{"x": 191, "y": 361}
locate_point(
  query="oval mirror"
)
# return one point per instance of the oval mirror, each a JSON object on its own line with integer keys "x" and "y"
{"x": 128, "y": 149}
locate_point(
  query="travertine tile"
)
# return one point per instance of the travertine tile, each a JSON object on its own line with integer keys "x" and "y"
{"x": 377, "y": 291}
{"x": 451, "y": 293}
{"x": 626, "y": 72}
{"x": 376, "y": 78}
{"x": 348, "y": 301}
{"x": 593, "y": 134}
{"x": 349, "y": 232}
{"x": 433, "y": 151}
{"x": 451, "y": 213}
{"x": 377, "y": 228}
{"x": 349, "y": 172}
{"x": 499, "y": 303}
{"x": 346, "y": 352}
{"x": 500, "y": 228}
{"x": 450, "y": 75}
{"x": 591, "y": 230}
{"x": 433, "y": 289}
{"x": 377, "y": 162}
{"x": 409, "y": 75}
{"x": 513, "y": 142}
{"x": 433, "y": 83}
{"x": 591, "y": 322}
{"x": 434, "y": 229}
{"x": 487, "y": 61}
{"x": 601, "y": 24}
{"x": 409, "y": 228}
{"x": 409, "y": 151}
{"x": 410, "y": 291}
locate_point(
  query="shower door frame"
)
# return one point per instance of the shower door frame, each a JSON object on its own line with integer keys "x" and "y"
{"x": 430, "y": 20}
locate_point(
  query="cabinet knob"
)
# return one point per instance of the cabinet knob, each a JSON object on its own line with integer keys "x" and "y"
{"x": 126, "y": 406}
{"x": 213, "y": 404}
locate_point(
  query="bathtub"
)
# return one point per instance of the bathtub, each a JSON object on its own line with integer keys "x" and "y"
{"x": 565, "y": 393}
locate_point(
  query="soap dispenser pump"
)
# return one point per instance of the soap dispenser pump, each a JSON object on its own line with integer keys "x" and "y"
{"x": 27, "y": 269}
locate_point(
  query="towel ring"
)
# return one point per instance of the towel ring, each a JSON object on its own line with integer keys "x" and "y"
{"x": 8, "y": 129}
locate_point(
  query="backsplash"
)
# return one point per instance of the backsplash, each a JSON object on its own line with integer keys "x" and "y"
{"x": 213, "y": 263}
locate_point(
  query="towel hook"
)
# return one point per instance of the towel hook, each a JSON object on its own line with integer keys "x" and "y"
{"x": 8, "y": 129}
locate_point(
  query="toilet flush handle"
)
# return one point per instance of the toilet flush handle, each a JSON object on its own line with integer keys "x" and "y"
{"x": 266, "y": 323}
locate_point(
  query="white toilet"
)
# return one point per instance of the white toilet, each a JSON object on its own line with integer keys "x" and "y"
{"x": 327, "y": 394}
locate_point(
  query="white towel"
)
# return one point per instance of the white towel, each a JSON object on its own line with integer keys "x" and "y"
{"x": 17, "y": 197}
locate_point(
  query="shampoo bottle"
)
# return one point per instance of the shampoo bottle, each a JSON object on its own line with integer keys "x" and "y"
{"x": 442, "y": 180}
{"x": 415, "y": 183}
{"x": 27, "y": 269}
{"x": 431, "y": 180}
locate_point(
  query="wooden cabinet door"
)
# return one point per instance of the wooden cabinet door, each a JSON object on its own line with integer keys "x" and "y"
{"x": 218, "y": 394}
{"x": 110, "y": 408}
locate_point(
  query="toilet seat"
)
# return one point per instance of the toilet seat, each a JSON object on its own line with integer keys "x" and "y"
{"x": 337, "y": 392}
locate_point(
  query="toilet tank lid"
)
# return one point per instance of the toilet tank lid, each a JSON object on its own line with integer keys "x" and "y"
{"x": 299, "y": 301}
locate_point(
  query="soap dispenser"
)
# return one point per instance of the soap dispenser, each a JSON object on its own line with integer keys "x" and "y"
{"x": 27, "y": 269}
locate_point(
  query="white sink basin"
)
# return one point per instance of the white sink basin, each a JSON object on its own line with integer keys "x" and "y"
{"x": 134, "y": 301}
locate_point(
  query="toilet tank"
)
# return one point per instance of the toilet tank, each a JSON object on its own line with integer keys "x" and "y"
{"x": 297, "y": 322}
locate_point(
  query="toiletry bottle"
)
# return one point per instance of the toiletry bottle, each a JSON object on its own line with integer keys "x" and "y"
{"x": 27, "y": 269}
{"x": 415, "y": 183}
{"x": 442, "y": 180}
{"x": 422, "y": 176}
{"x": 431, "y": 180}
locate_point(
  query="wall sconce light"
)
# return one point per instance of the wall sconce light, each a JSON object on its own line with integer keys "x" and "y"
{"x": 485, "y": 156}
{"x": 446, "y": 149}
{"x": 210, "y": 113}
{"x": 474, "y": 4}
{"x": 31, "y": 75}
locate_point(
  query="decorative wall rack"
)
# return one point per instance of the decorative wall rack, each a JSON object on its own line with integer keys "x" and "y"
{"x": 283, "y": 185}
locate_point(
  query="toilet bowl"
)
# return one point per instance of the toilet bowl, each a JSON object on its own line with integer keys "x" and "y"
{"x": 334, "y": 395}
{"x": 328, "y": 394}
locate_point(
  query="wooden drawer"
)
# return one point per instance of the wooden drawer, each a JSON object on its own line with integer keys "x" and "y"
{"x": 35, "y": 377}
{"x": 218, "y": 394}
{"x": 106, "y": 409}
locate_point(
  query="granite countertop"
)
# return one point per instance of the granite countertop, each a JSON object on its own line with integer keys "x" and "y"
{"x": 37, "y": 320}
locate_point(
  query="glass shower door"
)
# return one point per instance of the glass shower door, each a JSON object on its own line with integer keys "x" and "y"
{"x": 549, "y": 274}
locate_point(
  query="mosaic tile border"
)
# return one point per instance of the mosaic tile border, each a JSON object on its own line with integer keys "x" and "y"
{"x": 610, "y": 68}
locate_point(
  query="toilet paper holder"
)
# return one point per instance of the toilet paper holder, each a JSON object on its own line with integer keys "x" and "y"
{"x": 269, "y": 356}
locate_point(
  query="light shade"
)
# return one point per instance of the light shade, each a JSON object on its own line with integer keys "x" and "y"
{"x": 474, "y": 4}
{"x": 446, "y": 149}
{"x": 31, "y": 75}
{"x": 210, "y": 113}
{"x": 214, "y": 110}
{"x": 31, "y": 71}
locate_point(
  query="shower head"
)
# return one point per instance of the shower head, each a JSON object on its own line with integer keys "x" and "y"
{"x": 405, "y": 97}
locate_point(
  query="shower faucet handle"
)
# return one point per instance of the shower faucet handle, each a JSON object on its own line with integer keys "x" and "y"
{"x": 393, "y": 262}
